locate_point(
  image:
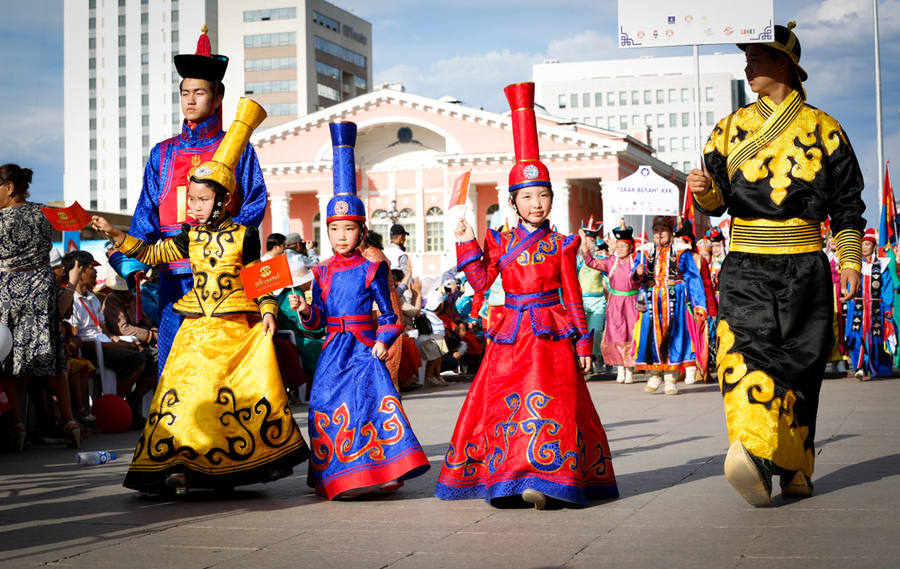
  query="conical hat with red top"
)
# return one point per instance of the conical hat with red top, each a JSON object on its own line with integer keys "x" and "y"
{"x": 529, "y": 170}
{"x": 869, "y": 235}
{"x": 203, "y": 64}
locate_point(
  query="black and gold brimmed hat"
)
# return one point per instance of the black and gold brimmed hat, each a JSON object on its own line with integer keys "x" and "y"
{"x": 786, "y": 42}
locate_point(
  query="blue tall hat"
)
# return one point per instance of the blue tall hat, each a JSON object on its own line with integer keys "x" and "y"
{"x": 345, "y": 205}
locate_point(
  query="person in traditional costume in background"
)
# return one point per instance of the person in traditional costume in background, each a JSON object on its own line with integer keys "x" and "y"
{"x": 621, "y": 311}
{"x": 528, "y": 431}
{"x": 162, "y": 207}
{"x": 870, "y": 333}
{"x": 359, "y": 434}
{"x": 220, "y": 417}
{"x": 674, "y": 295}
{"x": 780, "y": 167}
{"x": 704, "y": 247}
{"x": 699, "y": 329}
{"x": 593, "y": 286}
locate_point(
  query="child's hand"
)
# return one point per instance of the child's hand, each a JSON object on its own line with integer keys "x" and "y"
{"x": 269, "y": 324}
{"x": 464, "y": 231}
{"x": 299, "y": 304}
{"x": 380, "y": 351}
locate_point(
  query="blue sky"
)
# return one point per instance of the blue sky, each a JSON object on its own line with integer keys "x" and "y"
{"x": 471, "y": 49}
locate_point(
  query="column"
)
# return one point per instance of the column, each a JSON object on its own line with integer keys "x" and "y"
{"x": 281, "y": 221}
{"x": 559, "y": 215}
{"x": 324, "y": 245}
{"x": 508, "y": 214}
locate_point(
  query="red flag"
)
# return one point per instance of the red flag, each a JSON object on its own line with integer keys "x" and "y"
{"x": 72, "y": 218}
{"x": 460, "y": 190}
{"x": 888, "y": 234}
{"x": 267, "y": 276}
{"x": 688, "y": 213}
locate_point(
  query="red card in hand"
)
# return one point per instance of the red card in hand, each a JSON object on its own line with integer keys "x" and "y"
{"x": 460, "y": 190}
{"x": 72, "y": 218}
{"x": 267, "y": 276}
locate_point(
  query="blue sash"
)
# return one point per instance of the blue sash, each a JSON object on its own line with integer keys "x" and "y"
{"x": 523, "y": 245}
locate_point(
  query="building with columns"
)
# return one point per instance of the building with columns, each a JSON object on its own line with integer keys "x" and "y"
{"x": 410, "y": 150}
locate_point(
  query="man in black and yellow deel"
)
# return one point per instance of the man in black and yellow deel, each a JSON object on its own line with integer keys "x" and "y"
{"x": 780, "y": 167}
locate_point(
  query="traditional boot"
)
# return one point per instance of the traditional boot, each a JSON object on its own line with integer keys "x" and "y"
{"x": 748, "y": 475}
{"x": 690, "y": 375}
{"x": 629, "y": 375}
{"x": 654, "y": 382}
{"x": 620, "y": 374}
{"x": 671, "y": 377}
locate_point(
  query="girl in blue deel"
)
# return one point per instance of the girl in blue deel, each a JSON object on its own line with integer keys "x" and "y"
{"x": 359, "y": 436}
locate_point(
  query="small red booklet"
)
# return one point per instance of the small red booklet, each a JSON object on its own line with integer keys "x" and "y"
{"x": 267, "y": 276}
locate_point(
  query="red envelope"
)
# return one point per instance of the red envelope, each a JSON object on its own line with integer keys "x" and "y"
{"x": 460, "y": 190}
{"x": 267, "y": 276}
{"x": 72, "y": 218}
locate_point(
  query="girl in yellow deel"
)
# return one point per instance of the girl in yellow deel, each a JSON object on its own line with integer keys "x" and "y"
{"x": 220, "y": 417}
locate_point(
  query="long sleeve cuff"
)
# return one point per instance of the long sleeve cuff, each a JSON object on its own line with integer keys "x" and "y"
{"x": 316, "y": 319}
{"x": 129, "y": 245}
{"x": 584, "y": 346}
{"x": 467, "y": 252}
{"x": 849, "y": 249}
{"x": 268, "y": 305}
{"x": 711, "y": 200}
{"x": 388, "y": 333}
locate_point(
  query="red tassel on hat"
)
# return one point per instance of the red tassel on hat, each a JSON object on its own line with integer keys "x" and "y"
{"x": 203, "y": 47}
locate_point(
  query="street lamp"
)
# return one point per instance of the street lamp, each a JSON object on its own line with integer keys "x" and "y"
{"x": 393, "y": 214}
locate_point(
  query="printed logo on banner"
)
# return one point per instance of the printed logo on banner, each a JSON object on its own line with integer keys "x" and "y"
{"x": 671, "y": 20}
{"x": 709, "y": 32}
{"x": 655, "y": 34}
{"x": 641, "y": 35}
{"x": 688, "y": 19}
{"x": 729, "y": 31}
{"x": 670, "y": 33}
{"x": 748, "y": 32}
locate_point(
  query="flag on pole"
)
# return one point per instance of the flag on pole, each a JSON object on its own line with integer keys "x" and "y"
{"x": 888, "y": 228}
{"x": 267, "y": 276}
{"x": 688, "y": 213}
{"x": 460, "y": 190}
{"x": 72, "y": 218}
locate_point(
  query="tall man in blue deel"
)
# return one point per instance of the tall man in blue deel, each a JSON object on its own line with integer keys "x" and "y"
{"x": 780, "y": 167}
{"x": 162, "y": 208}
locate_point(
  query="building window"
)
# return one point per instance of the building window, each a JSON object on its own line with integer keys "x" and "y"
{"x": 145, "y": 59}
{"x": 598, "y": 99}
{"x": 709, "y": 93}
{"x": 174, "y": 36}
{"x": 92, "y": 124}
{"x": 661, "y": 144}
{"x": 121, "y": 61}
{"x": 271, "y": 87}
{"x": 380, "y": 222}
{"x": 328, "y": 70}
{"x": 122, "y": 21}
{"x": 92, "y": 83}
{"x": 145, "y": 100}
{"x": 611, "y": 99}
{"x": 93, "y": 164}
{"x": 93, "y": 203}
{"x": 562, "y": 101}
{"x": 586, "y": 100}
{"x": 92, "y": 63}
{"x": 686, "y": 144}
{"x": 599, "y": 122}
{"x": 92, "y": 145}
{"x": 281, "y": 109}
{"x": 275, "y": 14}
{"x": 337, "y": 51}
{"x": 635, "y": 97}
{"x": 574, "y": 99}
{"x": 491, "y": 210}
{"x": 710, "y": 118}
{"x": 123, "y": 203}
{"x": 121, "y": 101}
{"x": 145, "y": 120}
{"x": 611, "y": 123}
{"x": 685, "y": 119}
{"x": 92, "y": 43}
{"x": 121, "y": 3}
{"x": 122, "y": 142}
{"x": 92, "y": 4}
{"x": 648, "y": 97}
{"x": 145, "y": 78}
{"x": 174, "y": 16}
{"x": 272, "y": 63}
{"x": 145, "y": 18}
{"x": 123, "y": 183}
{"x": 269, "y": 40}
{"x": 673, "y": 119}
{"x": 329, "y": 23}
{"x": 145, "y": 140}
{"x": 434, "y": 230}
{"x": 686, "y": 167}
{"x": 635, "y": 120}
{"x": 408, "y": 215}
{"x": 685, "y": 95}
{"x": 623, "y": 122}
{"x": 648, "y": 120}
{"x": 92, "y": 23}
{"x": 673, "y": 144}
{"x": 121, "y": 80}
{"x": 673, "y": 95}
{"x": 328, "y": 92}
{"x": 623, "y": 98}
{"x": 122, "y": 122}
{"x": 660, "y": 96}
{"x": 92, "y": 104}
{"x": 121, "y": 41}
{"x": 317, "y": 227}
{"x": 361, "y": 83}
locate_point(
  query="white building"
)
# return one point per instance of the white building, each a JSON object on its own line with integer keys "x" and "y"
{"x": 121, "y": 86}
{"x": 637, "y": 95}
{"x": 121, "y": 91}
{"x": 294, "y": 57}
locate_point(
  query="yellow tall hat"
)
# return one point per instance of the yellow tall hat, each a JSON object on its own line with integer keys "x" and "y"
{"x": 250, "y": 115}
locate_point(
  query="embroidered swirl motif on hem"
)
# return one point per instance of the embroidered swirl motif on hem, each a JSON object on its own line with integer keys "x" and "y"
{"x": 325, "y": 448}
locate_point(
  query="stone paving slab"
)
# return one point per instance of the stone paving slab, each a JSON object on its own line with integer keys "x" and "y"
{"x": 675, "y": 510}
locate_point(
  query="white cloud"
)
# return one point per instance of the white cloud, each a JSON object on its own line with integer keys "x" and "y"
{"x": 837, "y": 25}
{"x": 587, "y": 46}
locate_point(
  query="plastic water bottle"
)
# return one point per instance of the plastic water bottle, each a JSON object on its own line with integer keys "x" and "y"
{"x": 94, "y": 458}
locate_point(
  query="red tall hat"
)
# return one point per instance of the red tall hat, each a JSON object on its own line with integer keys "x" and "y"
{"x": 528, "y": 170}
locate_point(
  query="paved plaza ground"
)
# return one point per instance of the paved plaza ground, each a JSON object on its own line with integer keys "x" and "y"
{"x": 676, "y": 509}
